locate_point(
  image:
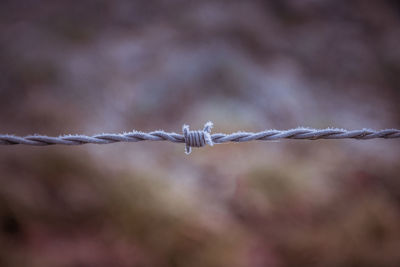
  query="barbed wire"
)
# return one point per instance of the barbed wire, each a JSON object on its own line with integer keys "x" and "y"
{"x": 200, "y": 138}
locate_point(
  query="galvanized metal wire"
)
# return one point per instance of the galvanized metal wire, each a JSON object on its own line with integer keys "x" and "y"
{"x": 201, "y": 137}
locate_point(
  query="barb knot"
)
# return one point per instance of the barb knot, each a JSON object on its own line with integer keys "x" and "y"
{"x": 197, "y": 138}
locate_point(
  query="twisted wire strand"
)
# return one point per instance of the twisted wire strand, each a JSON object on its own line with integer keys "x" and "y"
{"x": 201, "y": 137}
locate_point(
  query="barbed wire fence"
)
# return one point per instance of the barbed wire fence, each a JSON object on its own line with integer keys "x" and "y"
{"x": 200, "y": 138}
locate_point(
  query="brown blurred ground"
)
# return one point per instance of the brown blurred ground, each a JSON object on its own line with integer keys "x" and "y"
{"x": 113, "y": 66}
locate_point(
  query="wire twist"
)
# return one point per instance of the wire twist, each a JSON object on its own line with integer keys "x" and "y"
{"x": 200, "y": 138}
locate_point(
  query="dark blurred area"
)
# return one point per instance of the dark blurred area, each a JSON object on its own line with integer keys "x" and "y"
{"x": 89, "y": 67}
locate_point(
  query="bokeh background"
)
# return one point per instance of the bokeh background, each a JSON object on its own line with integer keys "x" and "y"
{"x": 112, "y": 66}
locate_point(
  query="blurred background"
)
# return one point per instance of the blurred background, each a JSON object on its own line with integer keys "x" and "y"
{"x": 90, "y": 66}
